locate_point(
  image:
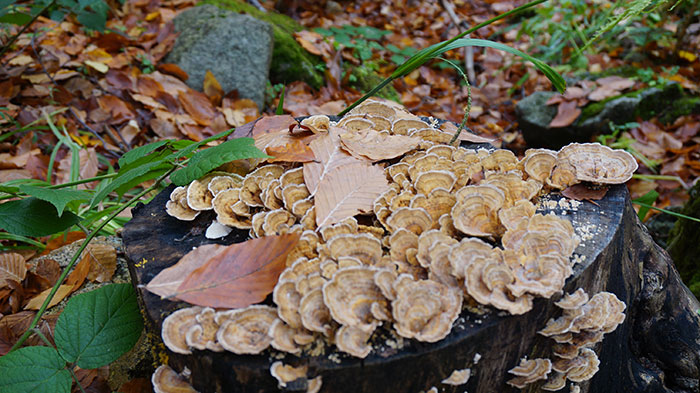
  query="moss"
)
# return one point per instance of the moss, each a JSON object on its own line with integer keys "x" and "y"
{"x": 290, "y": 62}
{"x": 595, "y": 108}
{"x": 682, "y": 107}
{"x": 683, "y": 243}
{"x": 364, "y": 79}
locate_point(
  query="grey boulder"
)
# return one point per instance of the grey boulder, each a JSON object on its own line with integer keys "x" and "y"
{"x": 236, "y": 48}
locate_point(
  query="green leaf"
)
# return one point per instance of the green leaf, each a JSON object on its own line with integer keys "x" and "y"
{"x": 34, "y": 369}
{"x": 648, "y": 199}
{"x": 208, "y": 159}
{"x": 280, "y": 105}
{"x": 57, "y": 197}
{"x": 16, "y": 18}
{"x": 99, "y": 326}
{"x": 34, "y": 217}
{"x": 93, "y": 20}
{"x": 141, "y": 151}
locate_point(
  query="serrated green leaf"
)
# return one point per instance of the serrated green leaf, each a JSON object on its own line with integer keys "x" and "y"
{"x": 34, "y": 217}
{"x": 99, "y": 326}
{"x": 208, "y": 159}
{"x": 141, "y": 151}
{"x": 34, "y": 369}
{"x": 57, "y": 197}
{"x": 16, "y": 18}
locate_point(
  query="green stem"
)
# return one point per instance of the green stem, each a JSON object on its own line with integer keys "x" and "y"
{"x": 77, "y": 382}
{"x": 43, "y": 338}
{"x": 77, "y": 254}
{"x": 671, "y": 213}
{"x": 438, "y": 48}
{"x": 83, "y": 181}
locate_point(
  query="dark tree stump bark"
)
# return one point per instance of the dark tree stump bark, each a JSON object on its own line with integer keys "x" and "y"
{"x": 656, "y": 349}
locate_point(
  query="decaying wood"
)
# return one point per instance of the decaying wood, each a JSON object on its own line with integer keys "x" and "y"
{"x": 656, "y": 349}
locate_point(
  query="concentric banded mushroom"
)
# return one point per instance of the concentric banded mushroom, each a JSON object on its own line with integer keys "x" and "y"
{"x": 245, "y": 331}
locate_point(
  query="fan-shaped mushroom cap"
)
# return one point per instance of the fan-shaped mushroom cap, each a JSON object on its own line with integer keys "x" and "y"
{"x": 458, "y": 377}
{"x": 433, "y": 135}
{"x": 399, "y": 167}
{"x": 555, "y": 382}
{"x": 293, "y": 193}
{"x": 445, "y": 151}
{"x": 374, "y": 108}
{"x": 314, "y": 385}
{"x": 465, "y": 253}
{"x": 244, "y": 331}
{"x": 581, "y": 368}
{"x": 486, "y": 279}
{"x": 292, "y": 176}
{"x": 513, "y": 186}
{"x": 385, "y": 279}
{"x": 268, "y": 196}
{"x": 349, "y": 296}
{"x": 538, "y": 163}
{"x": 400, "y": 241}
{"x": 308, "y": 283}
{"x": 285, "y": 373}
{"x": 277, "y": 222}
{"x": 381, "y": 123}
{"x": 177, "y": 205}
{"x": 176, "y": 326}
{"x": 413, "y": 157}
{"x": 431, "y": 180}
{"x": 573, "y": 300}
{"x": 404, "y": 126}
{"x": 603, "y": 312}
{"x": 287, "y": 300}
{"x": 426, "y": 163}
{"x": 315, "y": 316}
{"x": 223, "y": 206}
{"x": 355, "y": 123}
{"x": 284, "y": 337}
{"x": 198, "y": 195}
{"x": 425, "y": 309}
{"x": 224, "y": 182}
{"x": 501, "y": 160}
{"x": 440, "y": 267}
{"x": 166, "y": 380}
{"x": 353, "y": 341}
{"x": 364, "y": 247}
{"x": 476, "y": 210}
{"x": 317, "y": 123}
{"x": 271, "y": 170}
{"x": 542, "y": 275}
{"x": 308, "y": 220}
{"x": 529, "y": 371}
{"x": 415, "y": 220}
{"x": 426, "y": 241}
{"x": 344, "y": 227}
{"x": 402, "y": 199}
{"x": 596, "y": 163}
{"x": 438, "y": 203}
{"x": 511, "y": 217}
{"x": 203, "y": 335}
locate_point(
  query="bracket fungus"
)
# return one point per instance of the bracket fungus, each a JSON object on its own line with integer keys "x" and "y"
{"x": 166, "y": 380}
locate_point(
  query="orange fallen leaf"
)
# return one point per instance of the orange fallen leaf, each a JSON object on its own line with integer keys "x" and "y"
{"x": 295, "y": 151}
{"x": 348, "y": 190}
{"x": 174, "y": 70}
{"x": 241, "y": 275}
{"x": 77, "y": 277}
{"x": 264, "y": 125}
{"x": 197, "y": 105}
{"x": 329, "y": 155}
{"x": 36, "y": 302}
{"x": 567, "y": 113}
{"x": 377, "y": 146}
{"x": 48, "y": 269}
{"x": 581, "y": 192}
{"x": 12, "y": 267}
{"x": 165, "y": 283}
{"x": 212, "y": 88}
{"x": 62, "y": 240}
{"x": 103, "y": 261}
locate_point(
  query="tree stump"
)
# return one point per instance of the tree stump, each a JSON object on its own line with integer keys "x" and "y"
{"x": 656, "y": 349}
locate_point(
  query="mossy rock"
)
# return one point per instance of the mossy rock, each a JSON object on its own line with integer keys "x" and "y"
{"x": 364, "y": 79}
{"x": 290, "y": 62}
{"x": 683, "y": 242}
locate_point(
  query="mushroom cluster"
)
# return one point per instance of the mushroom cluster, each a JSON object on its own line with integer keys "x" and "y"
{"x": 582, "y": 325}
{"x": 454, "y": 227}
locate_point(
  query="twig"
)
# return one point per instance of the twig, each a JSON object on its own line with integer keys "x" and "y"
{"x": 468, "y": 50}
{"x": 24, "y": 28}
{"x": 77, "y": 254}
{"x": 70, "y": 109}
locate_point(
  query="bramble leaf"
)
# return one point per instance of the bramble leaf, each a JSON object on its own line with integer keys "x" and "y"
{"x": 34, "y": 217}
{"x": 34, "y": 369}
{"x": 57, "y": 197}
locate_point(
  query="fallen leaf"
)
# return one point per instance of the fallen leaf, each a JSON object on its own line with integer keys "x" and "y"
{"x": 241, "y": 275}
{"x": 117, "y": 108}
{"x": 137, "y": 385}
{"x": 100, "y": 67}
{"x": 264, "y": 125}
{"x": 329, "y": 155}
{"x": 88, "y": 167}
{"x": 348, "y": 190}
{"x": 62, "y": 240}
{"x": 165, "y": 283}
{"x": 77, "y": 277}
{"x": 465, "y": 135}
{"x": 198, "y": 106}
{"x": 567, "y": 113}
{"x": 12, "y": 327}
{"x": 36, "y": 302}
{"x": 212, "y": 88}
{"x": 296, "y": 151}
{"x": 48, "y": 269}
{"x": 12, "y": 267}
{"x": 103, "y": 261}
{"x": 581, "y": 192}
{"x": 377, "y": 146}
{"x": 174, "y": 70}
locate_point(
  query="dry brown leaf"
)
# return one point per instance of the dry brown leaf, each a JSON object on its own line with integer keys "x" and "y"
{"x": 264, "y": 125}
{"x": 48, "y": 269}
{"x": 465, "y": 135}
{"x": 329, "y": 155}
{"x": 580, "y": 192}
{"x": 348, "y": 190}
{"x": 103, "y": 261}
{"x": 77, "y": 277}
{"x": 36, "y": 302}
{"x": 165, "y": 284}
{"x": 567, "y": 113}
{"x": 62, "y": 240}
{"x": 88, "y": 167}
{"x": 377, "y": 146}
{"x": 197, "y": 105}
{"x": 241, "y": 275}
{"x": 12, "y": 267}
{"x": 212, "y": 88}
{"x": 174, "y": 70}
{"x": 137, "y": 385}
{"x": 295, "y": 151}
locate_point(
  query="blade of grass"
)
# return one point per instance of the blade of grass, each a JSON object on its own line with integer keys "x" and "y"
{"x": 679, "y": 215}
{"x": 280, "y": 105}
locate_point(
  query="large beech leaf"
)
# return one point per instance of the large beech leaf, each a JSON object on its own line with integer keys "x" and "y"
{"x": 99, "y": 326}
{"x": 348, "y": 190}
{"x": 329, "y": 155}
{"x": 34, "y": 369}
{"x": 165, "y": 284}
{"x": 12, "y": 267}
{"x": 241, "y": 275}
{"x": 34, "y": 217}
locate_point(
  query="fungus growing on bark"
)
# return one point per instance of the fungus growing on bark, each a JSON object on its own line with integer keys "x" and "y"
{"x": 365, "y": 247}
{"x": 166, "y": 380}
{"x": 286, "y": 338}
{"x": 415, "y": 220}
{"x": 223, "y": 206}
{"x": 177, "y": 205}
{"x": 404, "y": 126}
{"x": 317, "y": 123}
{"x": 245, "y": 331}
{"x": 529, "y": 371}
{"x": 349, "y": 296}
{"x": 224, "y": 182}
{"x": 476, "y": 211}
{"x": 203, "y": 335}
{"x": 597, "y": 163}
{"x": 538, "y": 163}
{"x": 353, "y": 340}
{"x": 175, "y": 328}
{"x": 285, "y": 373}
{"x": 458, "y": 377}
{"x": 198, "y": 195}
{"x": 374, "y": 108}
{"x": 315, "y": 316}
